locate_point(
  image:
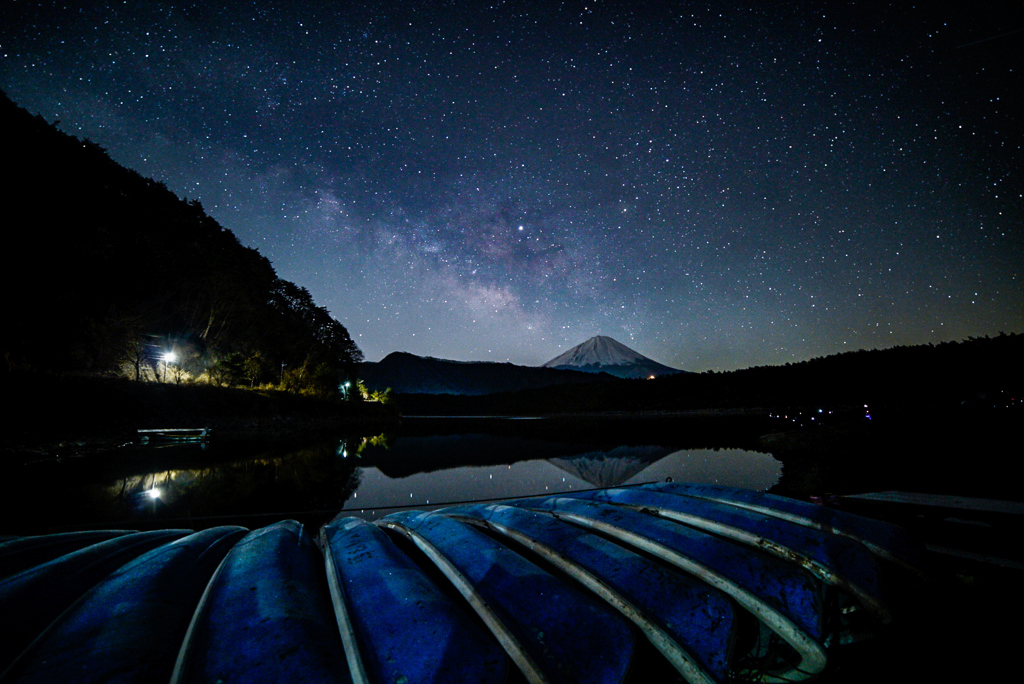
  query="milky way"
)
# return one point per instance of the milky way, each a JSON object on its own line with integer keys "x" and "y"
{"x": 715, "y": 186}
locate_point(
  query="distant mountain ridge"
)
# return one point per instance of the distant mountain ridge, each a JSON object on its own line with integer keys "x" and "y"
{"x": 407, "y": 373}
{"x": 599, "y": 358}
{"x": 980, "y": 378}
{"x": 602, "y": 354}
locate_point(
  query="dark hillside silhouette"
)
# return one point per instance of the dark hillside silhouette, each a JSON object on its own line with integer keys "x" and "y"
{"x": 106, "y": 271}
{"x": 979, "y": 372}
{"x": 407, "y": 373}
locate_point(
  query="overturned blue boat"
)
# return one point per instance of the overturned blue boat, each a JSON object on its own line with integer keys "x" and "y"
{"x": 617, "y": 585}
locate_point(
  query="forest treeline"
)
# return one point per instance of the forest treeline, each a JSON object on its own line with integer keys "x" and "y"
{"x": 108, "y": 272}
{"x": 982, "y": 372}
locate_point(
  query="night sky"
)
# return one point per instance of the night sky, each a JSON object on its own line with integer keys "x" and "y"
{"x": 715, "y": 186}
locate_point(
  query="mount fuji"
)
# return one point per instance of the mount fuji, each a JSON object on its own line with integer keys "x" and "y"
{"x": 602, "y": 354}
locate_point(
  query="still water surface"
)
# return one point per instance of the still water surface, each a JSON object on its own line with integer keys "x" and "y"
{"x": 254, "y": 484}
{"x": 624, "y": 465}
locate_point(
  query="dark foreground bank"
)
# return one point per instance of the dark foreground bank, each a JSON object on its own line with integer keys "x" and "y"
{"x": 55, "y": 414}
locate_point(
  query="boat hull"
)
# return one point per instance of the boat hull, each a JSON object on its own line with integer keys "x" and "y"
{"x": 375, "y": 587}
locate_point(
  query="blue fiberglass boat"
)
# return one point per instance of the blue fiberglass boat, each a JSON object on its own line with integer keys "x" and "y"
{"x": 33, "y": 598}
{"x": 128, "y": 627}
{"x": 720, "y": 584}
{"x": 266, "y": 615}
{"x": 691, "y": 623}
{"x": 553, "y": 631}
{"x": 783, "y": 597}
{"x": 21, "y": 553}
{"x": 886, "y": 541}
{"x": 387, "y": 608}
{"x": 835, "y": 560}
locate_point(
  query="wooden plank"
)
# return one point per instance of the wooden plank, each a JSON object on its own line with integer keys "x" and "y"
{"x": 174, "y": 435}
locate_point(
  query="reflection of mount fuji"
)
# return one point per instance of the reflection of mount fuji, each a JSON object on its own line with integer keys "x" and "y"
{"x": 611, "y": 468}
{"x": 604, "y": 468}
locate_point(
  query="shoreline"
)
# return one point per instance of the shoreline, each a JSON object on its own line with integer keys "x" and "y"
{"x": 955, "y": 450}
{"x": 70, "y": 415}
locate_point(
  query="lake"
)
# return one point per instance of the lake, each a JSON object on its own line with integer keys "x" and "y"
{"x": 388, "y": 477}
{"x": 253, "y": 483}
{"x": 431, "y": 464}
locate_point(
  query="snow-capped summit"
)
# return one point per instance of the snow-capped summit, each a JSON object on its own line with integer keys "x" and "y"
{"x": 602, "y": 354}
{"x": 598, "y": 351}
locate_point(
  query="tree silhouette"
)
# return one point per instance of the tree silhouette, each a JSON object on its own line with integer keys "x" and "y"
{"x": 120, "y": 263}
